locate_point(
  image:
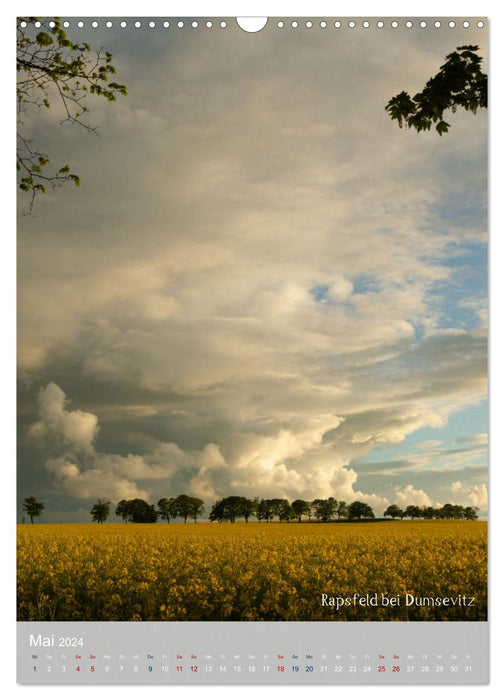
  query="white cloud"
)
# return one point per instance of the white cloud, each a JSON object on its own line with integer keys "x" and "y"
{"x": 81, "y": 471}
{"x": 76, "y": 429}
{"x": 292, "y": 462}
{"x": 92, "y": 482}
{"x": 476, "y": 495}
{"x": 412, "y": 496}
{"x": 478, "y": 439}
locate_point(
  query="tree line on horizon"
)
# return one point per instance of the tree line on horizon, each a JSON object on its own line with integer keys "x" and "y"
{"x": 232, "y": 508}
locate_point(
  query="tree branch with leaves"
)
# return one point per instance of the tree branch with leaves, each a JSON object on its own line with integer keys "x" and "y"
{"x": 460, "y": 82}
{"x": 51, "y": 67}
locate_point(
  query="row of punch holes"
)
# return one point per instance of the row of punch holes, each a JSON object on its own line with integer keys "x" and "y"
{"x": 280, "y": 24}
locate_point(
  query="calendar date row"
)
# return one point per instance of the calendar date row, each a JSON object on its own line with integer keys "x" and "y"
{"x": 253, "y": 668}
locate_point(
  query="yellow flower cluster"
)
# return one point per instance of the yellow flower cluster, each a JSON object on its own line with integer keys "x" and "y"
{"x": 249, "y": 571}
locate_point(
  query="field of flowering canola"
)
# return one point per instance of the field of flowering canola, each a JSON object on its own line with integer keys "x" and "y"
{"x": 249, "y": 571}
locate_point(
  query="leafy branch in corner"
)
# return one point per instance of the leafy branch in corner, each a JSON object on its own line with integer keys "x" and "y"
{"x": 52, "y": 68}
{"x": 459, "y": 83}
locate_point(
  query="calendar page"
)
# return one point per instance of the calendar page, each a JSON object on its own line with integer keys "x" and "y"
{"x": 252, "y": 350}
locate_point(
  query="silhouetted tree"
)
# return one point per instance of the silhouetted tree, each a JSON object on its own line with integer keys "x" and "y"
{"x": 325, "y": 508}
{"x": 197, "y": 508}
{"x": 136, "y": 510}
{"x": 33, "y": 507}
{"x": 217, "y": 512}
{"x": 231, "y": 508}
{"x": 447, "y": 511}
{"x": 167, "y": 509}
{"x": 317, "y": 507}
{"x": 412, "y": 512}
{"x": 122, "y": 510}
{"x": 470, "y": 513}
{"x": 264, "y": 510}
{"x": 428, "y": 512}
{"x": 281, "y": 508}
{"x": 300, "y": 508}
{"x": 359, "y": 510}
{"x": 285, "y": 511}
{"x": 459, "y": 83}
{"x": 458, "y": 512}
{"x": 182, "y": 506}
{"x": 188, "y": 507}
{"x": 247, "y": 508}
{"x": 100, "y": 511}
{"x": 228, "y": 508}
{"x": 393, "y": 511}
{"x": 342, "y": 510}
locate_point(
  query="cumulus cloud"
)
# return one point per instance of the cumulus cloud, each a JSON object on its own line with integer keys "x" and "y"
{"x": 92, "y": 482}
{"x": 292, "y": 462}
{"x": 476, "y": 495}
{"x": 83, "y": 472}
{"x": 411, "y": 496}
{"x": 76, "y": 429}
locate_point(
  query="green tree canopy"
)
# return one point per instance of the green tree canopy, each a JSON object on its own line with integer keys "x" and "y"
{"x": 53, "y": 69}
{"x": 231, "y": 508}
{"x": 317, "y": 507}
{"x": 428, "y": 512}
{"x": 265, "y": 510}
{"x": 359, "y": 510}
{"x": 33, "y": 507}
{"x": 182, "y": 506}
{"x": 460, "y": 82}
{"x": 447, "y": 511}
{"x": 136, "y": 510}
{"x": 100, "y": 511}
{"x": 197, "y": 508}
{"x": 470, "y": 513}
{"x": 167, "y": 509}
{"x": 281, "y": 508}
{"x": 342, "y": 510}
{"x": 301, "y": 508}
{"x": 393, "y": 511}
{"x": 325, "y": 508}
{"x": 188, "y": 507}
{"x": 122, "y": 510}
{"x": 248, "y": 508}
{"x": 413, "y": 512}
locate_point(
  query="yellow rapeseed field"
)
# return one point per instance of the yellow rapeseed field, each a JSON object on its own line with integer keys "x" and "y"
{"x": 250, "y": 571}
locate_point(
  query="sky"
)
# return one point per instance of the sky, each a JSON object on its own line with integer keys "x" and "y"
{"x": 263, "y": 286}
